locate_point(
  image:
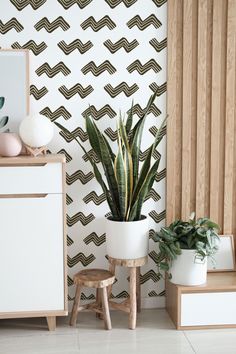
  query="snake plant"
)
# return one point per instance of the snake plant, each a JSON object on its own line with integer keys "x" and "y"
{"x": 3, "y": 120}
{"x": 126, "y": 183}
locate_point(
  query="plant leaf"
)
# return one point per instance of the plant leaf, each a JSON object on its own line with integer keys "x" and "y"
{"x": 2, "y": 101}
{"x": 110, "y": 201}
{"x": 93, "y": 137}
{"x": 120, "y": 174}
{"x": 108, "y": 167}
{"x": 3, "y": 121}
{"x": 135, "y": 212}
{"x": 135, "y": 141}
{"x": 129, "y": 121}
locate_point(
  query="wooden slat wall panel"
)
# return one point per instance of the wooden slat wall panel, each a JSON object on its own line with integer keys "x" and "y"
{"x": 203, "y": 106}
{"x": 218, "y": 109}
{"x": 174, "y": 150}
{"x": 230, "y": 114}
{"x": 189, "y": 88}
{"x": 201, "y": 130}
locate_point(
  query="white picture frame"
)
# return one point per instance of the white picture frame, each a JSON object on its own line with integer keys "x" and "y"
{"x": 225, "y": 257}
{"x": 14, "y": 85}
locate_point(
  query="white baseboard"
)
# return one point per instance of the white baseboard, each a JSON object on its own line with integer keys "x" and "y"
{"x": 153, "y": 302}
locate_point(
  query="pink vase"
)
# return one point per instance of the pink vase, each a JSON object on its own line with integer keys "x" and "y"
{"x": 10, "y": 144}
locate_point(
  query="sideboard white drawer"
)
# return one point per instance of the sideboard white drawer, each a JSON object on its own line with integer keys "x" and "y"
{"x": 212, "y": 308}
{"x": 31, "y": 179}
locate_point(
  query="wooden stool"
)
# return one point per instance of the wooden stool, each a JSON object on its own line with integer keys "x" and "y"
{"x": 133, "y": 304}
{"x": 93, "y": 278}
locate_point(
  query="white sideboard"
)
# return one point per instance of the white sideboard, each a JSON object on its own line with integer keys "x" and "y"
{"x": 32, "y": 238}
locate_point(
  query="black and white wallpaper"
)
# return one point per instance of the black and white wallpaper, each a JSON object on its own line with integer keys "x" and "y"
{"x": 102, "y": 53}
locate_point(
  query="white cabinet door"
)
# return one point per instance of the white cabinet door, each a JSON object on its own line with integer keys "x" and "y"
{"x": 31, "y": 254}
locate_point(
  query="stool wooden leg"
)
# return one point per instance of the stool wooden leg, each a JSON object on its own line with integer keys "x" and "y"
{"x": 133, "y": 303}
{"x": 99, "y": 303}
{"x": 112, "y": 269}
{"x": 138, "y": 290}
{"x": 74, "y": 312}
{"x": 105, "y": 306}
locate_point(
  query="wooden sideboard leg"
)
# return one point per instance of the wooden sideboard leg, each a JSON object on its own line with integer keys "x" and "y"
{"x": 138, "y": 290}
{"x": 74, "y": 312}
{"x": 133, "y": 300}
{"x": 51, "y": 321}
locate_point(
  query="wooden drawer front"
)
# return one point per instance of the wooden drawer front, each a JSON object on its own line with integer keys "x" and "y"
{"x": 31, "y": 254}
{"x": 214, "y": 308}
{"x": 31, "y": 179}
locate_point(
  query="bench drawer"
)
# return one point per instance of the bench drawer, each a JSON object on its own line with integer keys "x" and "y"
{"x": 212, "y": 308}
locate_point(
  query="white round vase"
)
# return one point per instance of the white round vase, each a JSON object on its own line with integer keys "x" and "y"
{"x": 188, "y": 270}
{"x": 36, "y": 131}
{"x": 10, "y": 144}
{"x": 127, "y": 239}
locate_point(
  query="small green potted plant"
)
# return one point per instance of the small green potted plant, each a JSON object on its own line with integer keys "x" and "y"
{"x": 124, "y": 181}
{"x": 184, "y": 247}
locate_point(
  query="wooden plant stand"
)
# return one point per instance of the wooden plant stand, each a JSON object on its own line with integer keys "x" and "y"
{"x": 93, "y": 278}
{"x": 133, "y": 304}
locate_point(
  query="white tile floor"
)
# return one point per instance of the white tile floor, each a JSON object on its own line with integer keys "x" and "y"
{"x": 155, "y": 333}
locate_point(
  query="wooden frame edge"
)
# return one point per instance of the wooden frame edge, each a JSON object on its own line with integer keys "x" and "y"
{"x": 27, "y": 69}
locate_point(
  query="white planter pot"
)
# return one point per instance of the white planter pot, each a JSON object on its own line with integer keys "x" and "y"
{"x": 127, "y": 239}
{"x": 187, "y": 270}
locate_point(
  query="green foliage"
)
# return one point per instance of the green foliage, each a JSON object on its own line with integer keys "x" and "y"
{"x": 200, "y": 235}
{"x": 126, "y": 184}
{"x": 3, "y": 120}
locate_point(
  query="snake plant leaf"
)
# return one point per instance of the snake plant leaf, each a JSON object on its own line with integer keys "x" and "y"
{"x": 2, "y": 101}
{"x": 92, "y": 132}
{"x": 122, "y": 134}
{"x": 109, "y": 148}
{"x": 137, "y": 138}
{"x": 147, "y": 163}
{"x": 3, "y": 121}
{"x": 135, "y": 212}
{"x": 129, "y": 121}
{"x": 108, "y": 166}
{"x": 92, "y": 135}
{"x": 146, "y": 111}
{"x": 111, "y": 204}
{"x": 120, "y": 174}
{"x": 97, "y": 174}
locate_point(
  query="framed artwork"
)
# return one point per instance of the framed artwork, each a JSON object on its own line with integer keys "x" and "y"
{"x": 14, "y": 85}
{"x": 225, "y": 257}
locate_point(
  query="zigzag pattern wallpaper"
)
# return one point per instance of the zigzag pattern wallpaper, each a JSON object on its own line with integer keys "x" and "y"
{"x": 102, "y": 53}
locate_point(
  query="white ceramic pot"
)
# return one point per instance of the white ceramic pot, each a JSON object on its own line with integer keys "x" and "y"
{"x": 188, "y": 270}
{"x": 10, "y": 144}
{"x": 36, "y": 131}
{"x": 127, "y": 239}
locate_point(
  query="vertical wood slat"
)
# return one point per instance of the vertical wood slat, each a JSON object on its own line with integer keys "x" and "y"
{"x": 207, "y": 163}
{"x": 203, "y": 107}
{"x": 174, "y": 104}
{"x": 217, "y": 111}
{"x": 188, "y": 111}
{"x": 230, "y": 117}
